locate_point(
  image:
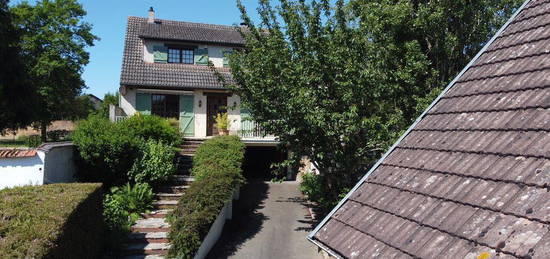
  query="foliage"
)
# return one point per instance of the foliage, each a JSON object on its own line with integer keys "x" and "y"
{"x": 106, "y": 151}
{"x": 222, "y": 121}
{"x": 30, "y": 141}
{"x": 221, "y": 153}
{"x": 339, "y": 83}
{"x": 155, "y": 163}
{"x": 81, "y": 107}
{"x": 122, "y": 207}
{"x": 57, "y": 135}
{"x": 53, "y": 42}
{"x": 201, "y": 204}
{"x": 151, "y": 127}
{"x": 51, "y": 221}
{"x": 17, "y": 99}
{"x": 109, "y": 98}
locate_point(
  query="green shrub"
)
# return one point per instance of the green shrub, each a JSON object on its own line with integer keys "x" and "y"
{"x": 51, "y": 221}
{"x": 312, "y": 187}
{"x": 155, "y": 163}
{"x": 30, "y": 141}
{"x": 151, "y": 127}
{"x": 106, "y": 152}
{"x": 122, "y": 207}
{"x": 218, "y": 154}
{"x": 218, "y": 166}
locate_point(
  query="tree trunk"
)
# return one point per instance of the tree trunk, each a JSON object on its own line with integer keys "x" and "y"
{"x": 43, "y": 131}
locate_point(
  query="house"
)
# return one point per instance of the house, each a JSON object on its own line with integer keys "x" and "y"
{"x": 471, "y": 178}
{"x": 96, "y": 101}
{"x": 165, "y": 72}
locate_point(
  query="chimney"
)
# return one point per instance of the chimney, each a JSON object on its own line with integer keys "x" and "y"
{"x": 151, "y": 18}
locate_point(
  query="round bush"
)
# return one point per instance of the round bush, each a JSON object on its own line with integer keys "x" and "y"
{"x": 155, "y": 163}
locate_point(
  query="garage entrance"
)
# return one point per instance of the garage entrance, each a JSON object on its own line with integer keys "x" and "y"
{"x": 258, "y": 160}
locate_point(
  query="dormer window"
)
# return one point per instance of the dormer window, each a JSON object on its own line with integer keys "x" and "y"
{"x": 180, "y": 55}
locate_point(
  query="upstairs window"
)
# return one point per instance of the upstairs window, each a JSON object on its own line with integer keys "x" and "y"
{"x": 180, "y": 55}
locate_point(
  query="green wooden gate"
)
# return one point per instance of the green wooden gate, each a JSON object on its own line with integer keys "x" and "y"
{"x": 187, "y": 116}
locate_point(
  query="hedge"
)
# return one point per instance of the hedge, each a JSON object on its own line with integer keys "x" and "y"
{"x": 51, "y": 221}
{"x": 218, "y": 162}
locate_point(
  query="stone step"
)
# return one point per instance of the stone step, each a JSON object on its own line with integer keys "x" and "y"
{"x": 149, "y": 237}
{"x": 183, "y": 179}
{"x": 156, "y": 214}
{"x": 169, "y": 196}
{"x": 173, "y": 189}
{"x": 165, "y": 204}
{"x": 145, "y": 248}
{"x": 151, "y": 225}
{"x": 143, "y": 257}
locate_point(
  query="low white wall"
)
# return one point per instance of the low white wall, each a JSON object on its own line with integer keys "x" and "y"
{"x": 59, "y": 164}
{"x": 53, "y": 163}
{"x": 21, "y": 171}
{"x": 217, "y": 228}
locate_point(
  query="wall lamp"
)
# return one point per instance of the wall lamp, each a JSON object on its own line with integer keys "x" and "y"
{"x": 200, "y": 103}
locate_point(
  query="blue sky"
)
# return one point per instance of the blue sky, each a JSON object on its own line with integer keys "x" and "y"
{"x": 102, "y": 74}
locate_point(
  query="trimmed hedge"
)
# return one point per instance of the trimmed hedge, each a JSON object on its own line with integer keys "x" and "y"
{"x": 51, "y": 221}
{"x": 217, "y": 166}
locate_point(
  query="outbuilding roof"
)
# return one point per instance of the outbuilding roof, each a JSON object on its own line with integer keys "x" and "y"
{"x": 472, "y": 176}
{"x": 136, "y": 72}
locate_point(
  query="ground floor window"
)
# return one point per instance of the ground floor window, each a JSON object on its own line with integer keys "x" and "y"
{"x": 165, "y": 105}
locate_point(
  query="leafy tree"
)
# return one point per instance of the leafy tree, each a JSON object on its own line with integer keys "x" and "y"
{"x": 339, "y": 83}
{"x": 109, "y": 98}
{"x": 16, "y": 96}
{"x": 82, "y": 107}
{"x": 53, "y": 43}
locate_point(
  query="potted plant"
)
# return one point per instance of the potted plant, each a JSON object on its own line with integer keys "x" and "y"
{"x": 222, "y": 122}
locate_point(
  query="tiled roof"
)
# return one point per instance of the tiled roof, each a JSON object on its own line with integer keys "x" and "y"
{"x": 473, "y": 175}
{"x": 135, "y": 72}
{"x": 17, "y": 152}
{"x": 194, "y": 32}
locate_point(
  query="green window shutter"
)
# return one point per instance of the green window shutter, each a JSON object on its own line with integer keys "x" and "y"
{"x": 201, "y": 57}
{"x": 160, "y": 53}
{"x": 226, "y": 55}
{"x": 247, "y": 125}
{"x": 187, "y": 116}
{"x": 143, "y": 103}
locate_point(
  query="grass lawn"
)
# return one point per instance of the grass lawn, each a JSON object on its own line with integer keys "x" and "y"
{"x": 12, "y": 143}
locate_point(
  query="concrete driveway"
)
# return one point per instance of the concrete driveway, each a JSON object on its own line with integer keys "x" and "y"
{"x": 269, "y": 221}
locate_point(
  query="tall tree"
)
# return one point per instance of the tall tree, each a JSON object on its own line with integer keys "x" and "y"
{"x": 340, "y": 83}
{"x": 16, "y": 95}
{"x": 53, "y": 43}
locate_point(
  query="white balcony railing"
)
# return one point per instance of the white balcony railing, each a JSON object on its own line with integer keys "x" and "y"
{"x": 250, "y": 129}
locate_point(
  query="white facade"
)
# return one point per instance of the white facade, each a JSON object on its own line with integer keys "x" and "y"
{"x": 128, "y": 95}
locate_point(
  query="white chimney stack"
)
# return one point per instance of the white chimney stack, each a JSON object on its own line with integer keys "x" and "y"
{"x": 151, "y": 18}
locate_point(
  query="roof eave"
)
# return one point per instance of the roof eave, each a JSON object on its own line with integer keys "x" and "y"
{"x": 312, "y": 234}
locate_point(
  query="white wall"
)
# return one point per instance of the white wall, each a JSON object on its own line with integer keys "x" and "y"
{"x": 200, "y": 114}
{"x": 127, "y": 101}
{"x": 234, "y": 113}
{"x": 59, "y": 164}
{"x": 215, "y": 53}
{"x": 21, "y": 171}
{"x": 53, "y": 163}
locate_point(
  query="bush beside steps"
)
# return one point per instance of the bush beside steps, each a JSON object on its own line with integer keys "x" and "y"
{"x": 217, "y": 169}
{"x": 51, "y": 221}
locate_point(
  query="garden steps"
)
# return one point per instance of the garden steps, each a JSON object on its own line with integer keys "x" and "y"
{"x": 149, "y": 237}
{"x": 145, "y": 248}
{"x": 143, "y": 257}
{"x": 169, "y": 196}
{"x": 151, "y": 225}
{"x": 156, "y": 213}
{"x": 163, "y": 204}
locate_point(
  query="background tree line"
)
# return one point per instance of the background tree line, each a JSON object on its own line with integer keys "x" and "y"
{"x": 340, "y": 82}
{"x": 43, "y": 53}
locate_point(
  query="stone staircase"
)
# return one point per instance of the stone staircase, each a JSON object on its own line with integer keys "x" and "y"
{"x": 149, "y": 235}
